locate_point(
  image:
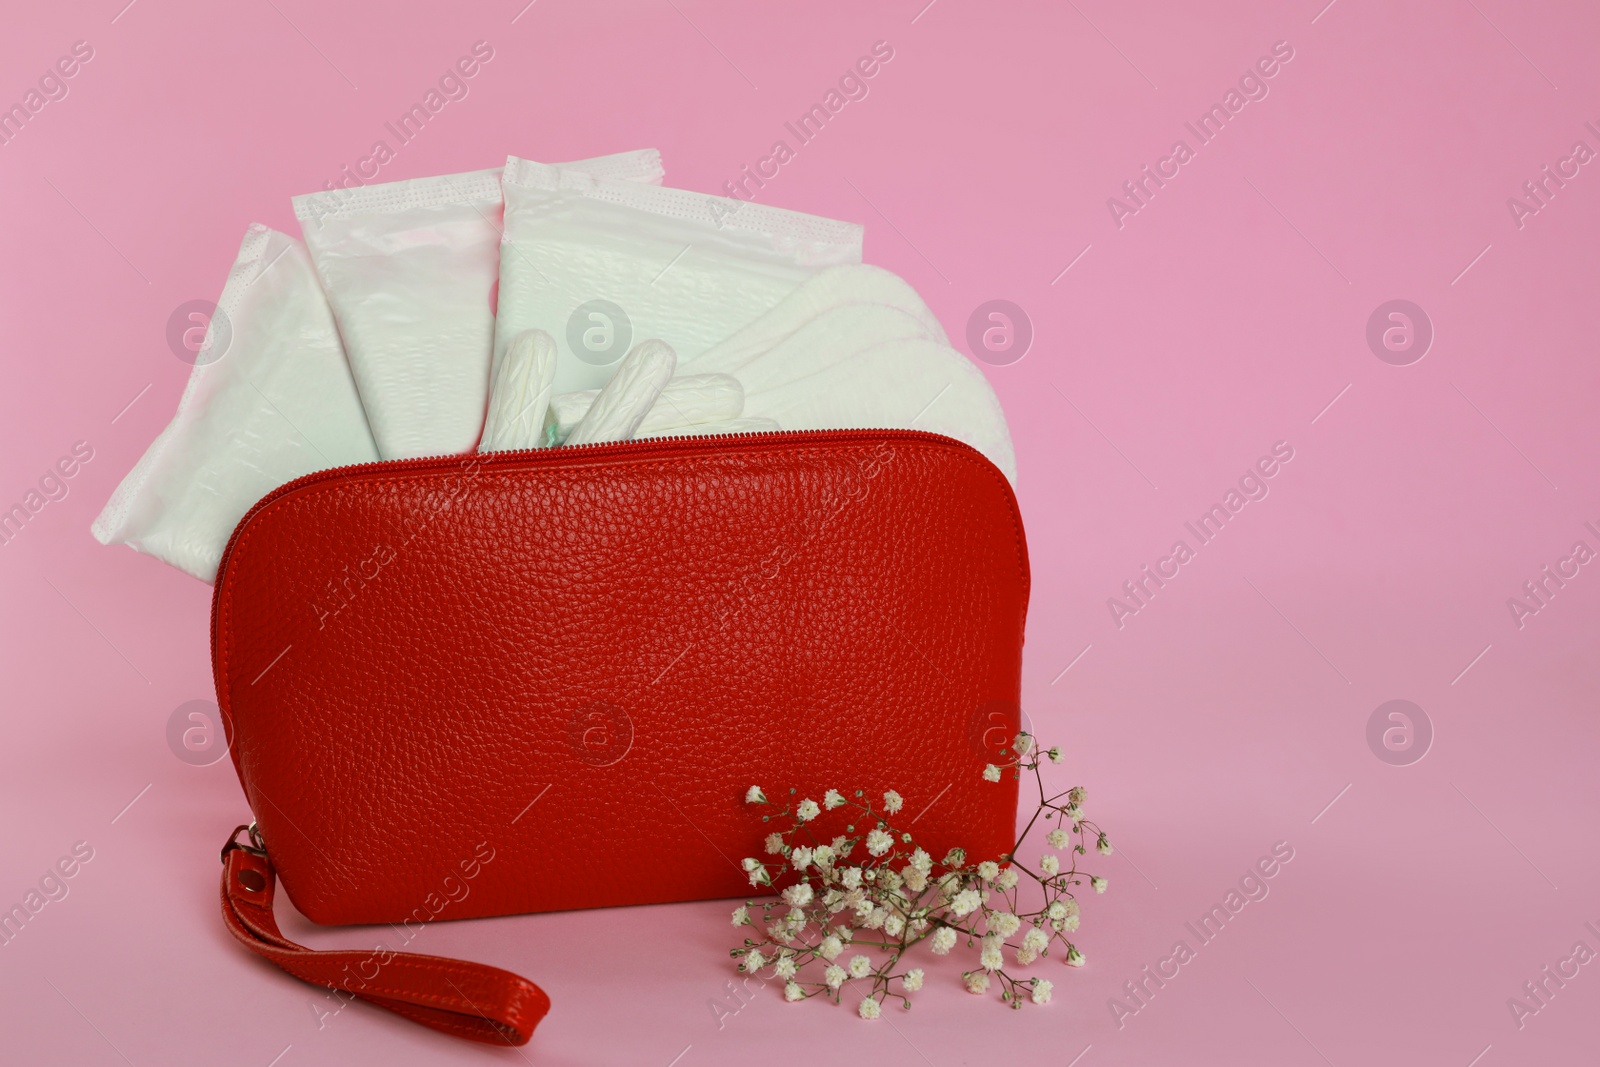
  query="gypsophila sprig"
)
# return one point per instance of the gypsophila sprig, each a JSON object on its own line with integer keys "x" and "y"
{"x": 847, "y": 919}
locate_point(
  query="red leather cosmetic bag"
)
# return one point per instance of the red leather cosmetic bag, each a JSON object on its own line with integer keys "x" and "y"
{"x": 466, "y": 686}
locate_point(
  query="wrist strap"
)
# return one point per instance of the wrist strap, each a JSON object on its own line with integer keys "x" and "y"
{"x": 470, "y": 1000}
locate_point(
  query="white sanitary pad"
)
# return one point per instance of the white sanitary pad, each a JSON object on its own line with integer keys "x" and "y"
{"x": 409, "y": 268}
{"x": 834, "y": 335}
{"x": 277, "y": 403}
{"x": 600, "y": 264}
{"x": 901, "y": 384}
{"x": 857, "y": 283}
{"x": 855, "y": 347}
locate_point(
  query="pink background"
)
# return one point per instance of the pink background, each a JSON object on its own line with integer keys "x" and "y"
{"x": 1223, "y": 317}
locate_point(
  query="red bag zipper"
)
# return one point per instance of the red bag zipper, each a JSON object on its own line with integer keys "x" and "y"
{"x": 679, "y": 445}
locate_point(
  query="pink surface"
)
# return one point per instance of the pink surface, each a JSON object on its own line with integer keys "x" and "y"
{"x": 1228, "y": 313}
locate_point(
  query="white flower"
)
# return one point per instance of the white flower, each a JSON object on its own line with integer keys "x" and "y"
{"x": 1099, "y": 884}
{"x": 1103, "y": 846}
{"x": 842, "y": 846}
{"x": 869, "y": 1008}
{"x": 965, "y": 902}
{"x": 785, "y": 966}
{"x": 977, "y": 981}
{"x": 955, "y": 858}
{"x": 750, "y": 863}
{"x": 1041, "y": 990}
{"x": 851, "y": 877}
{"x": 754, "y": 961}
{"x": 1074, "y": 957}
{"x": 912, "y": 980}
{"x": 922, "y": 861}
{"x": 990, "y": 958}
{"x": 1055, "y": 755}
{"x": 792, "y": 992}
{"x": 830, "y": 948}
{"x": 754, "y": 795}
{"x": 1057, "y": 838}
{"x": 1077, "y": 795}
{"x": 876, "y": 918}
{"x": 894, "y": 925}
{"x": 888, "y": 881}
{"x": 798, "y": 895}
{"x": 1025, "y": 956}
{"x": 1070, "y": 923}
{"x": 1006, "y": 880}
{"x": 1056, "y": 910}
{"x": 774, "y": 844}
{"x": 916, "y": 880}
{"x": 822, "y": 856}
{"x": 1023, "y": 743}
{"x": 832, "y": 799}
{"x": 807, "y": 810}
{"x": 801, "y": 858}
{"x": 834, "y": 976}
{"x": 1074, "y": 815}
{"x": 1036, "y": 940}
{"x": 944, "y": 939}
{"x": 988, "y": 870}
{"x": 1004, "y": 923}
{"x": 1050, "y": 863}
{"x": 991, "y": 773}
{"x": 741, "y": 915}
{"x": 893, "y": 802}
{"x": 860, "y": 966}
{"x": 879, "y": 842}
{"x": 758, "y": 876}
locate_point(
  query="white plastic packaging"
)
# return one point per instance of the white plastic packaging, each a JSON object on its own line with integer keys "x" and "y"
{"x": 278, "y": 402}
{"x": 410, "y": 268}
{"x": 602, "y": 263}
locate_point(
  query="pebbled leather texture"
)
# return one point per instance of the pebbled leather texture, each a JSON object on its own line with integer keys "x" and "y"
{"x": 574, "y": 662}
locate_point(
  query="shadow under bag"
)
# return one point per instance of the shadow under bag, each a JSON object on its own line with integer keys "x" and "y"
{"x": 533, "y": 681}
